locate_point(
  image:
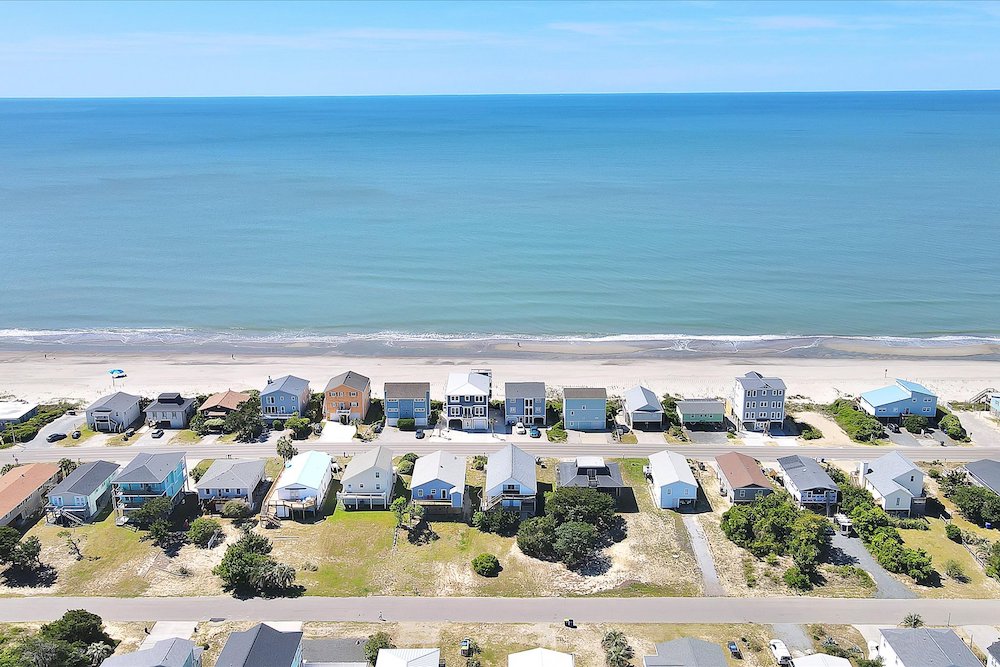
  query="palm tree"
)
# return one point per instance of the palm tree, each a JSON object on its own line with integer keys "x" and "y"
{"x": 286, "y": 450}
{"x": 66, "y": 466}
{"x": 912, "y": 621}
{"x": 98, "y": 652}
{"x": 617, "y": 652}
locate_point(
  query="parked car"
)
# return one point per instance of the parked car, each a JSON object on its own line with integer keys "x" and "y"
{"x": 780, "y": 653}
{"x": 734, "y": 650}
{"x": 158, "y": 433}
{"x": 893, "y": 427}
{"x": 71, "y": 412}
{"x": 535, "y": 432}
{"x": 419, "y": 434}
{"x": 129, "y": 433}
{"x": 55, "y": 437}
{"x": 76, "y": 435}
{"x": 378, "y": 427}
{"x": 519, "y": 429}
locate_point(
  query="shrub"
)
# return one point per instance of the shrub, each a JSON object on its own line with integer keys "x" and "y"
{"x": 78, "y": 626}
{"x": 28, "y": 429}
{"x": 797, "y": 579}
{"x": 235, "y": 509}
{"x": 377, "y": 641}
{"x": 409, "y": 456}
{"x": 309, "y": 566}
{"x": 953, "y": 428}
{"x": 405, "y": 467}
{"x": 501, "y": 522}
{"x": 278, "y": 425}
{"x": 617, "y": 651}
{"x": 406, "y": 424}
{"x": 934, "y": 473}
{"x": 857, "y": 424}
{"x": 953, "y": 532}
{"x": 809, "y": 432}
{"x": 575, "y": 542}
{"x": 677, "y": 431}
{"x": 580, "y": 504}
{"x": 479, "y": 462}
{"x": 748, "y": 572}
{"x": 912, "y": 621}
{"x": 486, "y": 565}
{"x": 556, "y": 433}
{"x": 201, "y": 530}
{"x": 954, "y": 570}
{"x": 915, "y": 423}
{"x": 775, "y": 525}
{"x": 247, "y": 566}
{"x": 300, "y": 427}
{"x": 536, "y": 538}
{"x": 152, "y": 510}
{"x": 976, "y": 503}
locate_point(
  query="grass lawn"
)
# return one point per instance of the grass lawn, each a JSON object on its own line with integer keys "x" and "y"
{"x": 119, "y": 440}
{"x": 827, "y": 638}
{"x": 86, "y": 433}
{"x": 629, "y": 439}
{"x": 941, "y": 550}
{"x": 199, "y": 470}
{"x": 185, "y": 437}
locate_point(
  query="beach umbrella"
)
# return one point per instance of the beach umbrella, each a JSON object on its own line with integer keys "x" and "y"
{"x": 117, "y": 373}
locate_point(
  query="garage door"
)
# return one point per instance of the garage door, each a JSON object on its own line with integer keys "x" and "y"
{"x": 480, "y": 424}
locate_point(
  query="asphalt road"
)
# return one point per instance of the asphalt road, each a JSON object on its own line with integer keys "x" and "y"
{"x": 514, "y": 610}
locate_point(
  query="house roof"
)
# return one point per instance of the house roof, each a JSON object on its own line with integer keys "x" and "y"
{"x": 915, "y": 387}
{"x": 700, "y": 406}
{"x": 86, "y": 479}
{"x": 642, "y": 399}
{"x": 467, "y": 384}
{"x": 686, "y": 652}
{"x": 306, "y": 469}
{"x": 232, "y": 473}
{"x": 408, "y": 657}
{"x": 226, "y": 400}
{"x": 575, "y": 473}
{"x": 820, "y": 660}
{"x": 377, "y": 457}
{"x": 541, "y": 657}
{"x": 668, "y": 467}
{"x": 524, "y": 390}
{"x": 901, "y": 391}
{"x": 510, "y": 463}
{"x": 407, "y": 389}
{"x": 994, "y": 650}
{"x": 586, "y": 392}
{"x": 172, "y": 652}
{"x": 754, "y": 380}
{"x": 929, "y": 647}
{"x": 335, "y": 651}
{"x": 886, "y": 469}
{"x": 169, "y": 401}
{"x": 806, "y": 473}
{"x": 439, "y": 465}
{"x": 146, "y": 468}
{"x": 20, "y": 482}
{"x": 286, "y": 383}
{"x": 116, "y": 402}
{"x": 15, "y": 409}
{"x": 355, "y": 381}
{"x": 986, "y": 472}
{"x": 741, "y": 471}
{"x": 260, "y": 646}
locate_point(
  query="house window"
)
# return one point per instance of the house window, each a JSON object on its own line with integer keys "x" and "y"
{"x": 378, "y": 487}
{"x": 911, "y": 478}
{"x": 354, "y": 393}
{"x": 361, "y": 486}
{"x": 418, "y": 410}
{"x": 897, "y": 501}
{"x": 777, "y": 392}
{"x": 377, "y": 474}
{"x": 420, "y": 493}
{"x": 468, "y": 399}
{"x": 480, "y": 411}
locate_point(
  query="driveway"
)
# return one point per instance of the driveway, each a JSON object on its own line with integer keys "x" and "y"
{"x": 983, "y": 431}
{"x": 703, "y": 554}
{"x": 795, "y": 638}
{"x": 65, "y": 424}
{"x": 851, "y": 551}
{"x": 708, "y": 437}
{"x": 335, "y": 432}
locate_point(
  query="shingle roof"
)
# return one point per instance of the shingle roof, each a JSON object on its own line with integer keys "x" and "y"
{"x": 585, "y": 392}
{"x": 886, "y": 469}
{"x": 821, "y": 660}
{"x": 169, "y": 401}
{"x": 146, "y": 468}
{"x": 407, "y": 389}
{"x": 510, "y": 463}
{"x": 173, "y": 652}
{"x": 378, "y": 457}
{"x": 355, "y": 381}
{"x": 85, "y": 479}
{"x": 408, "y": 657}
{"x": 686, "y": 652}
{"x": 287, "y": 383}
{"x": 337, "y": 651}
{"x": 929, "y": 647}
{"x": 232, "y": 473}
{"x": 541, "y": 657}
{"x": 439, "y": 465}
{"x": 118, "y": 401}
{"x": 227, "y": 400}
{"x": 575, "y": 473}
{"x": 524, "y": 390}
{"x": 741, "y": 471}
{"x": 260, "y": 646}
{"x": 806, "y": 473}
{"x": 642, "y": 399}
{"x": 20, "y": 482}
{"x": 668, "y": 467}
{"x": 700, "y": 406}
{"x": 986, "y": 472}
{"x": 754, "y": 380}
{"x": 306, "y": 469}
{"x": 994, "y": 650}
{"x": 467, "y": 384}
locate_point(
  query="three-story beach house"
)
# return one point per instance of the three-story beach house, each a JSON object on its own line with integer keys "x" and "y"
{"x": 524, "y": 402}
{"x": 347, "y": 397}
{"x": 467, "y": 400}
{"x": 149, "y": 476}
{"x": 83, "y": 494}
{"x": 407, "y": 400}
{"x": 113, "y": 413}
{"x": 368, "y": 480}
{"x": 585, "y": 408}
{"x": 170, "y": 410}
{"x": 284, "y": 397}
{"x": 899, "y": 400}
{"x": 808, "y": 483}
{"x": 759, "y": 402}
{"x": 511, "y": 482}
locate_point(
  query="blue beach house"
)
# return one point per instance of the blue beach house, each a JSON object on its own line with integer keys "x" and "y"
{"x": 898, "y": 400}
{"x": 439, "y": 480}
{"x": 284, "y": 397}
{"x": 83, "y": 494}
{"x": 995, "y": 405}
{"x": 149, "y": 476}
{"x": 585, "y": 408}
{"x": 467, "y": 400}
{"x": 407, "y": 400}
{"x": 524, "y": 402}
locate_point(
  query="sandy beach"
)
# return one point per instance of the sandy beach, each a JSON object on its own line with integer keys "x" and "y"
{"x": 42, "y": 376}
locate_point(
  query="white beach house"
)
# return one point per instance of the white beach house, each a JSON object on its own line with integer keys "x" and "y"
{"x": 302, "y": 486}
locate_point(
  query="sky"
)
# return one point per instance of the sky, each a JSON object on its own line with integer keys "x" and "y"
{"x": 151, "y": 49}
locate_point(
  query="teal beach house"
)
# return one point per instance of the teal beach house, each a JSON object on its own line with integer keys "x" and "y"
{"x": 585, "y": 408}
{"x": 407, "y": 400}
{"x": 149, "y": 476}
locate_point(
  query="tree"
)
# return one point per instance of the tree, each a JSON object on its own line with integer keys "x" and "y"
{"x": 912, "y": 621}
{"x": 375, "y": 643}
{"x": 300, "y": 427}
{"x": 580, "y": 504}
{"x": 26, "y": 554}
{"x": 78, "y": 626}
{"x": 39, "y": 651}
{"x": 405, "y": 468}
{"x": 66, "y": 466}
{"x": 248, "y": 567}
{"x": 286, "y": 450}
{"x": 486, "y": 565}
{"x": 617, "y": 651}
{"x": 9, "y": 538}
{"x": 201, "y": 530}
{"x": 199, "y": 424}
{"x": 98, "y": 653}
{"x": 953, "y": 532}
{"x": 159, "y": 532}
{"x": 236, "y": 509}
{"x": 246, "y": 421}
{"x": 398, "y": 509}
{"x": 151, "y": 510}
{"x": 575, "y": 542}
{"x": 536, "y": 537}
{"x": 953, "y": 428}
{"x": 274, "y": 576}
{"x": 915, "y": 423}
{"x": 500, "y": 521}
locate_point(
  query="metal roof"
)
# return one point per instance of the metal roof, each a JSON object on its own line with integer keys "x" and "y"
{"x": 585, "y": 392}
{"x": 260, "y": 646}
{"x": 642, "y": 399}
{"x": 350, "y": 379}
{"x": 524, "y": 390}
{"x": 378, "y": 457}
{"x": 901, "y": 391}
{"x": 541, "y": 657}
{"x": 306, "y": 469}
{"x": 407, "y": 389}
{"x": 286, "y": 383}
{"x": 806, "y": 473}
{"x": 408, "y": 657}
{"x": 668, "y": 467}
{"x": 467, "y": 384}
{"x": 686, "y": 652}
{"x": 986, "y": 472}
{"x": 700, "y": 406}
{"x": 15, "y": 409}
{"x": 929, "y": 647}
{"x": 439, "y": 465}
{"x": 754, "y": 380}
{"x": 118, "y": 401}
{"x": 86, "y": 479}
{"x": 146, "y": 468}
{"x": 173, "y": 652}
{"x": 232, "y": 473}
{"x": 510, "y": 463}
{"x": 915, "y": 387}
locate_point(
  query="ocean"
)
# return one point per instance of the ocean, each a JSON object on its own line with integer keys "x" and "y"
{"x": 723, "y": 216}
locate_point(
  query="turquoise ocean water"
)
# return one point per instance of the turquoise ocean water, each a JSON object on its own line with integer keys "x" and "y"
{"x": 870, "y": 214}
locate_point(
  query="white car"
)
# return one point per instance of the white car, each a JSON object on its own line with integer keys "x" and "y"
{"x": 780, "y": 652}
{"x": 519, "y": 429}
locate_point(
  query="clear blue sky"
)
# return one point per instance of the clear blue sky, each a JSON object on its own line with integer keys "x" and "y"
{"x": 81, "y": 49}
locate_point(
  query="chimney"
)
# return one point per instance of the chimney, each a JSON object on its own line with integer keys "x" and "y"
{"x": 269, "y": 380}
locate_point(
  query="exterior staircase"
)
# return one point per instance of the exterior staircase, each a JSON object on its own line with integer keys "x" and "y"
{"x": 983, "y": 396}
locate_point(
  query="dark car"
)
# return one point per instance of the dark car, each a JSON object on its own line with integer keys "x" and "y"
{"x": 76, "y": 435}
{"x": 534, "y": 432}
{"x": 129, "y": 433}
{"x": 158, "y": 433}
{"x": 419, "y": 434}
{"x": 55, "y": 437}
{"x": 893, "y": 427}
{"x": 734, "y": 650}
{"x": 378, "y": 427}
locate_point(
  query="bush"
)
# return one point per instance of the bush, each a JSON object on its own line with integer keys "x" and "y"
{"x": 556, "y": 433}
{"x": 775, "y": 525}
{"x": 278, "y": 425}
{"x": 977, "y": 504}
{"x": 479, "y": 462}
{"x": 797, "y": 579}
{"x": 575, "y": 542}
{"x": 78, "y": 626}
{"x": 405, "y": 468}
{"x": 201, "y": 530}
{"x": 247, "y": 567}
{"x": 536, "y": 538}
{"x": 857, "y": 424}
{"x": 809, "y": 432}
{"x": 486, "y": 565}
{"x": 580, "y": 504}
{"x": 677, "y": 431}
{"x": 152, "y": 510}
{"x": 954, "y": 570}
{"x": 300, "y": 427}
{"x": 953, "y": 532}
{"x": 406, "y": 424}
{"x": 953, "y": 428}
{"x": 501, "y": 522}
{"x": 617, "y": 651}
{"x": 377, "y": 641}
{"x": 915, "y": 423}
{"x": 409, "y": 456}
{"x": 934, "y": 473}
{"x": 235, "y": 509}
